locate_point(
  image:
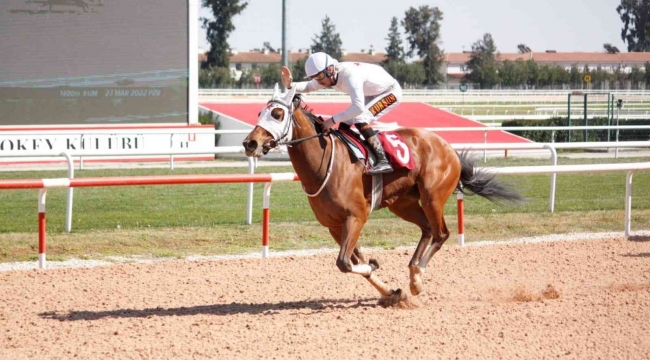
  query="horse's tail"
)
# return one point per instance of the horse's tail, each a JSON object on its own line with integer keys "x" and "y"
{"x": 483, "y": 183}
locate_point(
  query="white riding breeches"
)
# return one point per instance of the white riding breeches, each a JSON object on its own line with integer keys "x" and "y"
{"x": 379, "y": 105}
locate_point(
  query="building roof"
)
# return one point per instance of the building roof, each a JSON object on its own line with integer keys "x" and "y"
{"x": 559, "y": 57}
{"x": 258, "y": 57}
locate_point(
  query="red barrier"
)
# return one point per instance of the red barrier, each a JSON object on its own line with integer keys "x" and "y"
{"x": 45, "y": 184}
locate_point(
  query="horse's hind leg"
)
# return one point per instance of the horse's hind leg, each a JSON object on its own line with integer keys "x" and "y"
{"x": 410, "y": 210}
{"x": 433, "y": 204}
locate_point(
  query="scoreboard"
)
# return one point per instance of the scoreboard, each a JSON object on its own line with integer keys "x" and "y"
{"x": 90, "y": 62}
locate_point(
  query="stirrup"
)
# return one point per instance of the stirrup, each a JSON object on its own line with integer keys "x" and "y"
{"x": 380, "y": 168}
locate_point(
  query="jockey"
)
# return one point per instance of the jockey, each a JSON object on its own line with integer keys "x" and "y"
{"x": 373, "y": 93}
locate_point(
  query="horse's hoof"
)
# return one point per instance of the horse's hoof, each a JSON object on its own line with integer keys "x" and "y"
{"x": 395, "y": 297}
{"x": 416, "y": 280}
{"x": 416, "y": 288}
{"x": 374, "y": 264}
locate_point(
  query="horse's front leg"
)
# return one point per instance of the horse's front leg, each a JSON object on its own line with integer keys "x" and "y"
{"x": 349, "y": 238}
{"x": 357, "y": 257}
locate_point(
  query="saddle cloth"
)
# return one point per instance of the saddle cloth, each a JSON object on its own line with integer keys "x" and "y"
{"x": 397, "y": 153}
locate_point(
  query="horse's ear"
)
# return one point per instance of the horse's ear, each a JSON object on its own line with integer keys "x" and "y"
{"x": 297, "y": 99}
{"x": 288, "y": 97}
{"x": 276, "y": 91}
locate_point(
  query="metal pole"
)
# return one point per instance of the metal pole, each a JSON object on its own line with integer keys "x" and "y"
{"x": 285, "y": 55}
{"x": 618, "y": 112}
{"x": 585, "y": 116}
{"x": 569, "y": 117}
{"x": 610, "y": 112}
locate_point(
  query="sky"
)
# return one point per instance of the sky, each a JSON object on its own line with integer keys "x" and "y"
{"x": 561, "y": 25}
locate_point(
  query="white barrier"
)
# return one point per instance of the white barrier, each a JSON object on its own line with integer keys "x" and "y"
{"x": 434, "y": 93}
{"x": 44, "y": 184}
{"x": 630, "y": 168}
{"x": 238, "y": 149}
{"x": 249, "y": 211}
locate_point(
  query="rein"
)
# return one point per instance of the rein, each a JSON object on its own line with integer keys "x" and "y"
{"x": 297, "y": 141}
{"x": 329, "y": 169}
{"x": 288, "y": 128}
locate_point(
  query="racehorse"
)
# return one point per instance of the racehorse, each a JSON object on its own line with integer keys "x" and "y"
{"x": 340, "y": 194}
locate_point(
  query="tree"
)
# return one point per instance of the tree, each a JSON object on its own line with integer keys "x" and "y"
{"x": 533, "y": 73}
{"x": 523, "y": 49}
{"x": 636, "y": 78}
{"x": 513, "y": 73}
{"x": 394, "y": 51}
{"x": 422, "y": 27}
{"x": 635, "y": 15}
{"x": 217, "y": 77}
{"x": 575, "y": 77}
{"x": 298, "y": 69}
{"x": 482, "y": 63}
{"x": 329, "y": 41}
{"x": 408, "y": 75}
{"x": 219, "y": 29}
{"x": 611, "y": 49}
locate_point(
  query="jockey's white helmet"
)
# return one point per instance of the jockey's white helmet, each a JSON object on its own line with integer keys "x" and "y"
{"x": 318, "y": 62}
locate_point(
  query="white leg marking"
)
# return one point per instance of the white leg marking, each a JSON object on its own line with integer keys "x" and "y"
{"x": 362, "y": 269}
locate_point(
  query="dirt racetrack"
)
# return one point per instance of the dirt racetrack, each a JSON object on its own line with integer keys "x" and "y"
{"x": 569, "y": 299}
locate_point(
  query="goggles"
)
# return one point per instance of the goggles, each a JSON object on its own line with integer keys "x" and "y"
{"x": 318, "y": 77}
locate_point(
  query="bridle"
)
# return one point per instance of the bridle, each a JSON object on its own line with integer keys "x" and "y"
{"x": 285, "y": 134}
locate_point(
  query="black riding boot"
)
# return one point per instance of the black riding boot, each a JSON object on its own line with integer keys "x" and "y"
{"x": 382, "y": 165}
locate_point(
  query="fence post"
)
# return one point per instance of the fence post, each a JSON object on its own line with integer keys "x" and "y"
{"x": 42, "y": 194}
{"x": 249, "y": 204}
{"x": 553, "y": 177}
{"x": 485, "y": 142}
{"x": 266, "y": 215}
{"x": 68, "y": 211}
{"x": 461, "y": 218}
{"x": 628, "y": 203}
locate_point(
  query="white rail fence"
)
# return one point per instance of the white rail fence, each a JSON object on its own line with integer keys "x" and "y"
{"x": 551, "y": 147}
{"x": 630, "y": 168}
{"x": 44, "y": 184}
{"x": 437, "y": 93}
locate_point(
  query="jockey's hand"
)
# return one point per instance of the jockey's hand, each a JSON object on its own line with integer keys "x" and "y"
{"x": 286, "y": 78}
{"x": 327, "y": 126}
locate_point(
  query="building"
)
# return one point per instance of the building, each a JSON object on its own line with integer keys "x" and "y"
{"x": 455, "y": 69}
{"x": 454, "y": 66}
{"x": 242, "y": 61}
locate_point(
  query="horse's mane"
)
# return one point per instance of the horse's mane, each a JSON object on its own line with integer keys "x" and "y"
{"x": 298, "y": 103}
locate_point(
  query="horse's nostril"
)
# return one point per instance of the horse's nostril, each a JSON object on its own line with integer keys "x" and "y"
{"x": 250, "y": 145}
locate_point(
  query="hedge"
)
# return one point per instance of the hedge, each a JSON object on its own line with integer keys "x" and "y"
{"x": 578, "y": 135}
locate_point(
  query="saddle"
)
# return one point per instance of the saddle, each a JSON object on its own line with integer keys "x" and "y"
{"x": 397, "y": 153}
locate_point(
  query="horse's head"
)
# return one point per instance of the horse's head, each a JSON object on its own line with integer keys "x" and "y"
{"x": 273, "y": 124}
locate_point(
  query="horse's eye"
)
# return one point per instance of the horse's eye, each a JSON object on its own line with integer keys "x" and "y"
{"x": 277, "y": 114}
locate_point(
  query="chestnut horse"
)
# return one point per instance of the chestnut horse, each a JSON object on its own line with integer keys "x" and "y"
{"x": 340, "y": 193}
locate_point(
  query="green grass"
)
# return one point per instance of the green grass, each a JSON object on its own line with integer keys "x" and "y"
{"x": 180, "y": 220}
